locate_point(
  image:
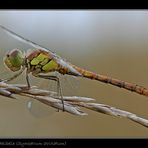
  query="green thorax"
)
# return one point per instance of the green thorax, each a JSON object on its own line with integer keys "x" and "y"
{"x": 41, "y": 61}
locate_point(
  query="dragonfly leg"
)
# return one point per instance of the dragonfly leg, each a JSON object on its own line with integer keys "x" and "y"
{"x": 27, "y": 79}
{"x": 54, "y": 78}
{"x": 13, "y": 77}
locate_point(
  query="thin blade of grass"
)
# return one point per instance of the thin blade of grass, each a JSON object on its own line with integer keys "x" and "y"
{"x": 72, "y": 104}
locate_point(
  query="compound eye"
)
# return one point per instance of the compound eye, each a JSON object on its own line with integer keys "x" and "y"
{"x": 14, "y": 59}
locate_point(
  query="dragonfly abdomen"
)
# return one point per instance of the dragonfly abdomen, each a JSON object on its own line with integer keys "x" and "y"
{"x": 119, "y": 83}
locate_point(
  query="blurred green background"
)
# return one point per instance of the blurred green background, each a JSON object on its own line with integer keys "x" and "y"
{"x": 114, "y": 43}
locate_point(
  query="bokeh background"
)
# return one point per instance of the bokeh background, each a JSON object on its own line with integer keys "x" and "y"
{"x": 114, "y": 43}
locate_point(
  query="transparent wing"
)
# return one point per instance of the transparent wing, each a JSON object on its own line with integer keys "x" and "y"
{"x": 22, "y": 39}
{"x": 69, "y": 84}
{"x": 38, "y": 109}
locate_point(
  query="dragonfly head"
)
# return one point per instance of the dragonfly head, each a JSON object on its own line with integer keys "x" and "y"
{"x": 14, "y": 59}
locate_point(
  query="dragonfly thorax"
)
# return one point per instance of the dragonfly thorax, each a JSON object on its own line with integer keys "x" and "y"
{"x": 14, "y": 59}
{"x": 40, "y": 61}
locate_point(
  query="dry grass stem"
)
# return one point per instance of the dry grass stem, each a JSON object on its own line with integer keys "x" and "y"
{"x": 72, "y": 104}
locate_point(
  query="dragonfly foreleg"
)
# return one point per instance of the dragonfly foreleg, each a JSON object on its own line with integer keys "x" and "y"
{"x": 54, "y": 78}
{"x": 13, "y": 77}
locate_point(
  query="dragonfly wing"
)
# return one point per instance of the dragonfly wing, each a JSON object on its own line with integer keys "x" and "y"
{"x": 38, "y": 109}
{"x": 24, "y": 40}
{"x": 69, "y": 84}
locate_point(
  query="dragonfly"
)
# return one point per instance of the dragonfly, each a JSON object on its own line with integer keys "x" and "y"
{"x": 41, "y": 61}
